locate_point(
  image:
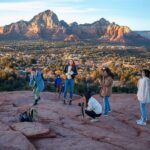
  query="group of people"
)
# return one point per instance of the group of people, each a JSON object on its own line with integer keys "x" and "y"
{"x": 94, "y": 108}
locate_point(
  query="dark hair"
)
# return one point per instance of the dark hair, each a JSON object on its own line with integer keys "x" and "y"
{"x": 147, "y": 72}
{"x": 88, "y": 95}
{"x": 108, "y": 72}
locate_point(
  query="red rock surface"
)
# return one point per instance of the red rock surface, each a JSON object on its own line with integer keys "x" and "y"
{"x": 11, "y": 140}
{"x": 118, "y": 131}
{"x": 32, "y": 129}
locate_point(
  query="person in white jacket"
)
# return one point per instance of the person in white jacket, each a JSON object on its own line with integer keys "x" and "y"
{"x": 94, "y": 108}
{"x": 143, "y": 95}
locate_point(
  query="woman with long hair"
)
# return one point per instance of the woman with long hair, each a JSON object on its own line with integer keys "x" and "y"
{"x": 70, "y": 71}
{"x": 106, "y": 89}
{"x": 143, "y": 95}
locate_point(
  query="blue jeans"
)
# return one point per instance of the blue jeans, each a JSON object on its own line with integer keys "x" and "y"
{"x": 106, "y": 104}
{"x": 143, "y": 110}
{"x": 69, "y": 83}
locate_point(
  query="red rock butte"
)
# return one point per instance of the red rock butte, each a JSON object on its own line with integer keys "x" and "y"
{"x": 61, "y": 127}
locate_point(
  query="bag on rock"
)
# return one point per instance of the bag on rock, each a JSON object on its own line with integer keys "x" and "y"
{"x": 28, "y": 116}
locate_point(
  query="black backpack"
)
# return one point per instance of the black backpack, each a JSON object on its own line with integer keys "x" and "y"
{"x": 28, "y": 116}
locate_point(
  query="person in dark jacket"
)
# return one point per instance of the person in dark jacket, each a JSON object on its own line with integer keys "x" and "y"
{"x": 70, "y": 72}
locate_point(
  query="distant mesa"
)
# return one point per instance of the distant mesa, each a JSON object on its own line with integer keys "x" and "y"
{"x": 46, "y": 25}
{"x": 145, "y": 34}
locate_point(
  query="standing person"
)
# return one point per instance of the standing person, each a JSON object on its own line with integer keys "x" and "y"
{"x": 37, "y": 83}
{"x": 70, "y": 71}
{"x": 106, "y": 89}
{"x": 58, "y": 84}
{"x": 94, "y": 108}
{"x": 143, "y": 95}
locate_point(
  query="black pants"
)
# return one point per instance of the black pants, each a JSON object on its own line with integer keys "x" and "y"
{"x": 92, "y": 114}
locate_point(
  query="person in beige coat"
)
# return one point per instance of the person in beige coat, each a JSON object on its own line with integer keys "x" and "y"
{"x": 106, "y": 89}
{"x": 143, "y": 95}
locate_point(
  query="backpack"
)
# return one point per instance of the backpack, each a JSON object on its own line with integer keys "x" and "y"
{"x": 28, "y": 116}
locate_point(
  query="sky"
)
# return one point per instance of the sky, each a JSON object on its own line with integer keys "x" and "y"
{"x": 132, "y": 13}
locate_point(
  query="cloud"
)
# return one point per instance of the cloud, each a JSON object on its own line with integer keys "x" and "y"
{"x": 73, "y": 10}
{"x": 21, "y": 6}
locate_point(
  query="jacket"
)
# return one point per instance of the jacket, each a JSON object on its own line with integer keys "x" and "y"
{"x": 143, "y": 93}
{"x": 106, "y": 89}
{"x": 94, "y": 105}
{"x": 73, "y": 69}
{"x": 36, "y": 81}
{"x": 58, "y": 81}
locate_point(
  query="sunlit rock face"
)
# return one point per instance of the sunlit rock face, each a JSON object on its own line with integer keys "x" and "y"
{"x": 46, "y": 25}
{"x": 72, "y": 37}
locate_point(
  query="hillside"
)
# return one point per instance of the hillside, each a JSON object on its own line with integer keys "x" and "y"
{"x": 62, "y": 127}
{"x": 145, "y": 34}
{"x": 47, "y": 26}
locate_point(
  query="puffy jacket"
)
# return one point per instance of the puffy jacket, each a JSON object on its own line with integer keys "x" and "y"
{"x": 58, "y": 81}
{"x": 143, "y": 93}
{"x": 37, "y": 81}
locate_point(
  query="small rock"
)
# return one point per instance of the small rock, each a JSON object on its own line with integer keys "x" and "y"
{"x": 33, "y": 130}
{"x": 11, "y": 140}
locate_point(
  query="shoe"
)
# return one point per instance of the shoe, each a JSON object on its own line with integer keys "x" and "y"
{"x": 64, "y": 101}
{"x": 35, "y": 103}
{"x": 105, "y": 114}
{"x": 70, "y": 102}
{"x": 140, "y": 122}
{"x": 95, "y": 120}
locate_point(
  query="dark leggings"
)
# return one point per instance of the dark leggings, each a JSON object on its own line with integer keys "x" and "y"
{"x": 92, "y": 114}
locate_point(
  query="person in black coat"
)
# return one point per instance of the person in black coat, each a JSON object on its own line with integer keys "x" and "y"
{"x": 70, "y": 71}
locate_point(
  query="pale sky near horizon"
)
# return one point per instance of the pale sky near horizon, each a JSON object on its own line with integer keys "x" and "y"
{"x": 132, "y": 13}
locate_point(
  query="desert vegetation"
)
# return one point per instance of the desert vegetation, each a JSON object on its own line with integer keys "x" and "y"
{"x": 18, "y": 57}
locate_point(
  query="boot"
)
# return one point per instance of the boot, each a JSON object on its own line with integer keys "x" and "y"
{"x": 36, "y": 102}
{"x": 64, "y": 101}
{"x": 70, "y": 102}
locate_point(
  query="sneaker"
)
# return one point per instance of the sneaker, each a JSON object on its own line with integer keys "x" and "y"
{"x": 70, "y": 102}
{"x": 140, "y": 122}
{"x": 64, "y": 101}
{"x": 35, "y": 103}
{"x": 95, "y": 120}
{"x": 105, "y": 114}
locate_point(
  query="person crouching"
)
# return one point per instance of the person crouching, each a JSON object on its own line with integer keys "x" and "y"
{"x": 94, "y": 108}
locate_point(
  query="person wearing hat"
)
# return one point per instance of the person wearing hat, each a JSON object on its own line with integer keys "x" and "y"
{"x": 37, "y": 84}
